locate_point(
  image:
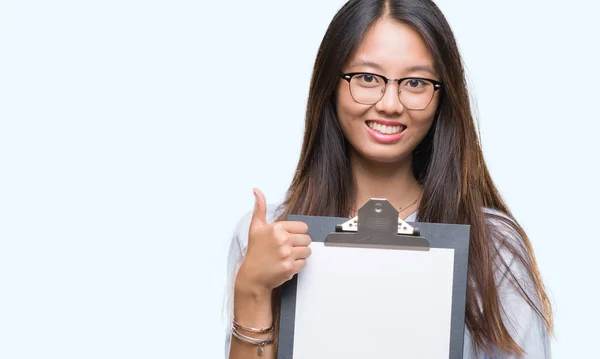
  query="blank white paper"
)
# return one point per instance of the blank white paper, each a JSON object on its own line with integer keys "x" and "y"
{"x": 343, "y": 310}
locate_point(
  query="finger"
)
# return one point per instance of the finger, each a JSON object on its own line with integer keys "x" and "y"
{"x": 301, "y": 252}
{"x": 301, "y": 240}
{"x": 295, "y": 227}
{"x": 259, "y": 216}
{"x": 299, "y": 265}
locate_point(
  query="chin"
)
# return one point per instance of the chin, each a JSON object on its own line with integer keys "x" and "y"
{"x": 384, "y": 157}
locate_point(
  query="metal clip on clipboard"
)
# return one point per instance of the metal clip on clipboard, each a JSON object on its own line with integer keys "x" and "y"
{"x": 377, "y": 226}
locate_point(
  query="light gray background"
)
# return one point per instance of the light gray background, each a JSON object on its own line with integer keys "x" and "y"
{"x": 132, "y": 133}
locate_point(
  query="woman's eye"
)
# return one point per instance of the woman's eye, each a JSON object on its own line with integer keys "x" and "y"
{"x": 415, "y": 83}
{"x": 368, "y": 78}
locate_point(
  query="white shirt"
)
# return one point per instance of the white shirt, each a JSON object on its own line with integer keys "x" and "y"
{"x": 522, "y": 322}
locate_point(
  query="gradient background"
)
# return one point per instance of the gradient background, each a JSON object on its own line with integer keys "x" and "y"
{"x": 132, "y": 133}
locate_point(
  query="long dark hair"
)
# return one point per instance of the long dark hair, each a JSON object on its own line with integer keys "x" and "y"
{"x": 448, "y": 162}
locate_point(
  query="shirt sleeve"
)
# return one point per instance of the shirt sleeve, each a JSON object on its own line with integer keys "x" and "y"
{"x": 237, "y": 250}
{"x": 525, "y": 325}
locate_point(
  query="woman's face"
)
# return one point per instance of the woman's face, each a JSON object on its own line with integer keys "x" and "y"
{"x": 393, "y": 50}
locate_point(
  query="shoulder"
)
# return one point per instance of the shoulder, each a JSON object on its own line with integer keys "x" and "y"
{"x": 511, "y": 251}
{"x": 504, "y": 231}
{"x": 499, "y": 220}
{"x": 518, "y": 291}
{"x": 508, "y": 237}
{"x": 516, "y": 274}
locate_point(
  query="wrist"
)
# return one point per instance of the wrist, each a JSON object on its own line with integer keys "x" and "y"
{"x": 252, "y": 305}
{"x": 248, "y": 290}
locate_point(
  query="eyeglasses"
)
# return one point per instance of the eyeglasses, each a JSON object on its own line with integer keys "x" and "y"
{"x": 415, "y": 93}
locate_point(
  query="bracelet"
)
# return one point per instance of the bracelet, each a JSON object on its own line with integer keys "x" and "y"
{"x": 253, "y": 330}
{"x": 260, "y": 342}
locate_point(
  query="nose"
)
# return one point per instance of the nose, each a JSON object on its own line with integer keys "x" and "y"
{"x": 390, "y": 102}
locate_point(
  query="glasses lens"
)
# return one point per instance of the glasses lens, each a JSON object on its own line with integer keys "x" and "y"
{"x": 366, "y": 88}
{"x": 416, "y": 94}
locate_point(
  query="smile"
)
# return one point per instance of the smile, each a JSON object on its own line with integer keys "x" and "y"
{"x": 388, "y": 133}
{"x": 385, "y": 129}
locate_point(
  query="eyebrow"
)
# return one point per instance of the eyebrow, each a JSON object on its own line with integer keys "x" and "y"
{"x": 416, "y": 68}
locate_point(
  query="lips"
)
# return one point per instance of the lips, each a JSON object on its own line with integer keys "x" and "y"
{"x": 385, "y": 131}
{"x": 388, "y": 128}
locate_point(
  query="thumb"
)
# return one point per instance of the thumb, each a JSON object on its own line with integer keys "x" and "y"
{"x": 259, "y": 216}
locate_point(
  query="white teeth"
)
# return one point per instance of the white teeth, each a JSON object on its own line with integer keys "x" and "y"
{"x": 388, "y": 130}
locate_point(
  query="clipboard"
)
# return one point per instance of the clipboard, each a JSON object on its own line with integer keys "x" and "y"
{"x": 393, "y": 258}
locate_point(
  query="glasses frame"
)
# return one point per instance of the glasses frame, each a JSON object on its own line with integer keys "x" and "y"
{"x": 437, "y": 85}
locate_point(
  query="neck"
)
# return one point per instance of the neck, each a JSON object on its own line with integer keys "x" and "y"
{"x": 392, "y": 181}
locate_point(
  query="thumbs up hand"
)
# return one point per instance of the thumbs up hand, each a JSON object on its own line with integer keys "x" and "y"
{"x": 275, "y": 253}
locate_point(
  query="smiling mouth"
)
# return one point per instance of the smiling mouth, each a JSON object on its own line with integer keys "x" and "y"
{"x": 385, "y": 129}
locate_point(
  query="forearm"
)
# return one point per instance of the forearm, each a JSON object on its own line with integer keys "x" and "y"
{"x": 252, "y": 308}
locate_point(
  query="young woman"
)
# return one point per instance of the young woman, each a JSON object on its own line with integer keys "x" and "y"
{"x": 389, "y": 116}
